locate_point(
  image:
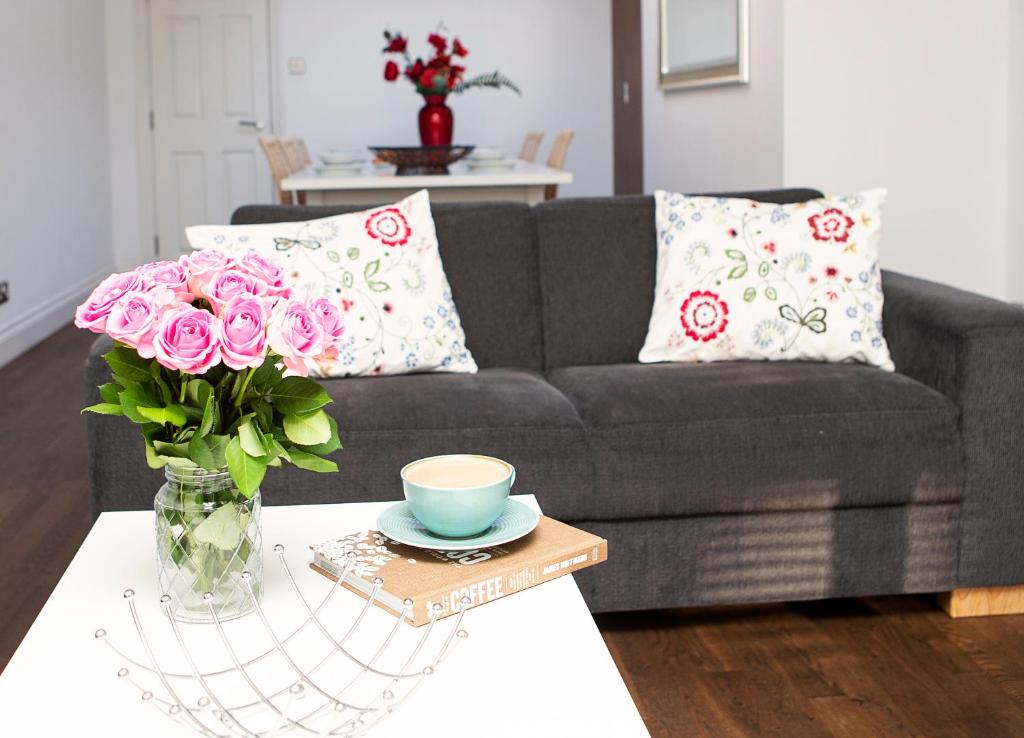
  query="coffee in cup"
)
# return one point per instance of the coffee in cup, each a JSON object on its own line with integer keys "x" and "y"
{"x": 457, "y": 495}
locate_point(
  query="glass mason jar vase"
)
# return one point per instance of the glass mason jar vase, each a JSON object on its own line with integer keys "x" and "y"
{"x": 207, "y": 534}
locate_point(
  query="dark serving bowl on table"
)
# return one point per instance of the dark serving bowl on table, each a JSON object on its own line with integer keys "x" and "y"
{"x": 420, "y": 159}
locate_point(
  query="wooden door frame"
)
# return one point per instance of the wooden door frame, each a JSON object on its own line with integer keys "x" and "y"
{"x": 146, "y": 185}
{"x": 627, "y": 69}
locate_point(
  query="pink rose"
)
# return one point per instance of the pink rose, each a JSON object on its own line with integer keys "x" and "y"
{"x": 232, "y": 283}
{"x": 329, "y": 317}
{"x": 267, "y": 271}
{"x": 295, "y": 334}
{"x": 169, "y": 274}
{"x": 203, "y": 266}
{"x": 135, "y": 319}
{"x": 243, "y": 332}
{"x": 188, "y": 339}
{"x": 92, "y": 314}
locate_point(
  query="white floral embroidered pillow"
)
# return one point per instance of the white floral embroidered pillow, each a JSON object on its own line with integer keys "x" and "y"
{"x": 738, "y": 279}
{"x": 383, "y": 269}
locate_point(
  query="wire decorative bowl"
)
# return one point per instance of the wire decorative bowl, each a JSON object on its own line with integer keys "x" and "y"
{"x": 420, "y": 159}
{"x": 306, "y": 678}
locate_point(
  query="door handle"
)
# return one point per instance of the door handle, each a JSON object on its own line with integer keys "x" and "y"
{"x": 256, "y": 124}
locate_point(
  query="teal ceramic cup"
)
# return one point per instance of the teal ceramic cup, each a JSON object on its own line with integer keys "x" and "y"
{"x": 458, "y": 511}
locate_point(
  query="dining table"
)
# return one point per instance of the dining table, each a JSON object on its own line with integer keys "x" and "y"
{"x": 373, "y": 184}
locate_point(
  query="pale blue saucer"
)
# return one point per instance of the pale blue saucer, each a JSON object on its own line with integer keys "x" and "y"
{"x": 399, "y": 524}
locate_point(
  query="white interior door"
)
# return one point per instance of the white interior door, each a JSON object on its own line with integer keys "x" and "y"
{"x": 211, "y": 101}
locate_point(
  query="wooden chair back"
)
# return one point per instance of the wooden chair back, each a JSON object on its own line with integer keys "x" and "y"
{"x": 293, "y": 154}
{"x": 531, "y": 146}
{"x": 556, "y": 159}
{"x": 274, "y": 150}
{"x": 303, "y": 152}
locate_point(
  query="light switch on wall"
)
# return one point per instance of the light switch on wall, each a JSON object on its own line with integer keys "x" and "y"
{"x": 296, "y": 65}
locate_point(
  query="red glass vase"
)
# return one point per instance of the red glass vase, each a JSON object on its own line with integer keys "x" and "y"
{"x": 436, "y": 122}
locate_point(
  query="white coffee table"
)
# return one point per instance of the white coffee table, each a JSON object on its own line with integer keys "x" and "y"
{"x": 533, "y": 665}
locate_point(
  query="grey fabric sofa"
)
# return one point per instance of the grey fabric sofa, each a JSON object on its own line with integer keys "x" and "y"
{"x": 714, "y": 483}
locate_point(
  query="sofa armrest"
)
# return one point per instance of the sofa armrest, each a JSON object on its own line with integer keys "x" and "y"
{"x": 971, "y": 348}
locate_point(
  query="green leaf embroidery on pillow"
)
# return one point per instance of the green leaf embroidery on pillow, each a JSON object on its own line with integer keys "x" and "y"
{"x": 749, "y": 294}
{"x": 770, "y": 293}
{"x": 814, "y": 320}
{"x": 371, "y": 268}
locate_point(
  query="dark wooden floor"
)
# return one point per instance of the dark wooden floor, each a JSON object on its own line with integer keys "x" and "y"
{"x": 881, "y": 667}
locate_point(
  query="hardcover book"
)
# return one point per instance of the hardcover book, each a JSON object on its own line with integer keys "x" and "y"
{"x": 445, "y": 577}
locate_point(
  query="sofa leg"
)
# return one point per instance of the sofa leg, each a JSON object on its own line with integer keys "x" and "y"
{"x": 979, "y": 601}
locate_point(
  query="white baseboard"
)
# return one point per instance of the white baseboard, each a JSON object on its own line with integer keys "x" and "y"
{"x": 22, "y": 333}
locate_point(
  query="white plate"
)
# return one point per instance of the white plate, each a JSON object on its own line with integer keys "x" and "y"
{"x": 485, "y": 153}
{"x": 492, "y": 165}
{"x": 399, "y": 524}
{"x": 337, "y": 170}
{"x": 342, "y": 157}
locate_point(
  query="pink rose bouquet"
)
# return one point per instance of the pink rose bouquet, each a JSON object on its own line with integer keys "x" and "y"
{"x": 211, "y": 356}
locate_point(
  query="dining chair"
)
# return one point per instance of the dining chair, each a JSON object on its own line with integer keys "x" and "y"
{"x": 556, "y": 159}
{"x": 293, "y": 153}
{"x": 274, "y": 150}
{"x": 306, "y": 160}
{"x": 531, "y": 145}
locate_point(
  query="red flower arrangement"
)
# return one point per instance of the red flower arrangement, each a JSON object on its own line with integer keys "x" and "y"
{"x": 440, "y": 74}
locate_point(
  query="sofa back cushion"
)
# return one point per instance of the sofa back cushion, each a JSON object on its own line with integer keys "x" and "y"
{"x": 597, "y": 269}
{"x": 490, "y": 258}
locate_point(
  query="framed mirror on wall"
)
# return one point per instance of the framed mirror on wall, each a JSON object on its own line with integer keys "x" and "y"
{"x": 703, "y": 43}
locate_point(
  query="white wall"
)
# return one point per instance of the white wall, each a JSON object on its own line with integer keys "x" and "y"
{"x": 1015, "y": 158}
{"x": 911, "y": 95}
{"x": 558, "y": 52}
{"x": 56, "y": 238}
{"x": 719, "y": 138}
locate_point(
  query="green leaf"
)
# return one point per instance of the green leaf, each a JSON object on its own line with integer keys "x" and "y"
{"x": 371, "y": 268}
{"x": 788, "y": 312}
{"x": 109, "y": 393}
{"x": 264, "y": 414}
{"x": 245, "y": 470}
{"x": 251, "y": 439}
{"x": 208, "y": 451}
{"x": 211, "y": 415}
{"x": 815, "y": 319}
{"x": 153, "y": 460}
{"x": 377, "y": 286}
{"x": 310, "y": 462}
{"x": 197, "y": 391}
{"x": 352, "y": 253}
{"x": 129, "y": 404}
{"x": 735, "y": 254}
{"x": 307, "y": 429}
{"x": 770, "y": 293}
{"x": 763, "y": 269}
{"x": 298, "y": 395}
{"x": 347, "y": 279}
{"x": 105, "y": 408}
{"x": 329, "y": 446}
{"x": 738, "y": 271}
{"x": 173, "y": 414}
{"x": 223, "y": 528}
{"x": 126, "y": 363}
{"x": 333, "y": 256}
{"x": 164, "y": 448}
{"x": 267, "y": 376}
{"x": 749, "y": 294}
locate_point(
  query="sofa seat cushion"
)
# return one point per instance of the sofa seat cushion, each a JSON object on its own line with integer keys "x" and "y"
{"x": 684, "y": 439}
{"x": 514, "y": 414}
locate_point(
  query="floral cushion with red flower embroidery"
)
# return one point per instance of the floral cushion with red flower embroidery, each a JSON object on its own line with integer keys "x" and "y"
{"x": 382, "y": 268}
{"x": 738, "y": 279}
